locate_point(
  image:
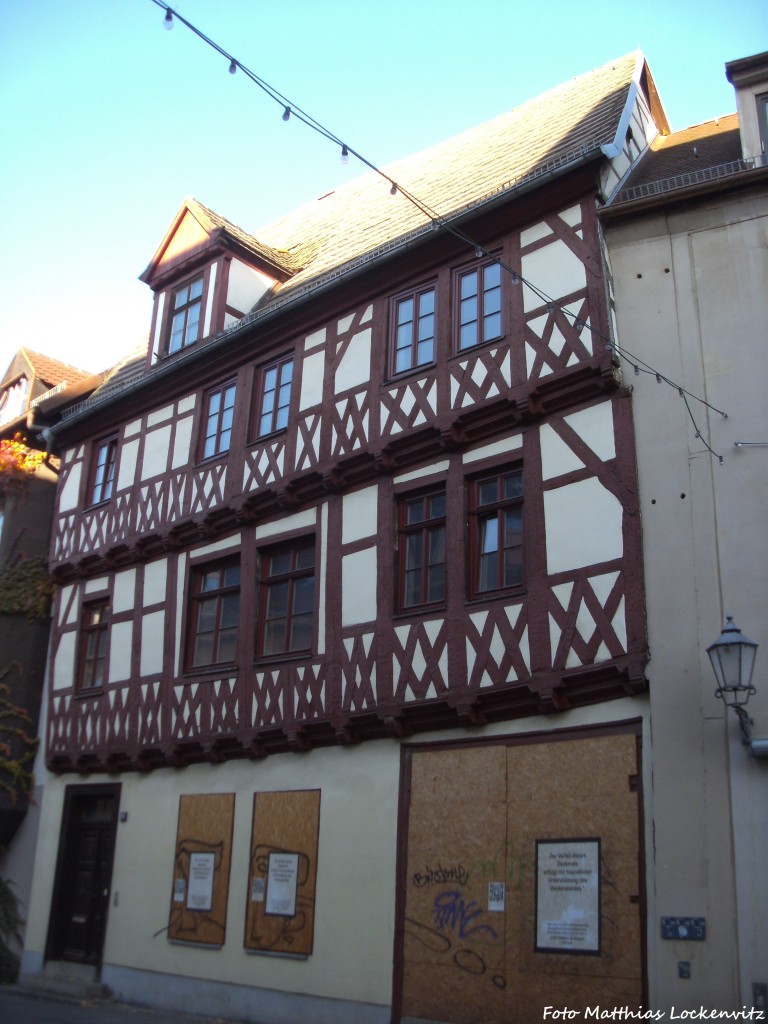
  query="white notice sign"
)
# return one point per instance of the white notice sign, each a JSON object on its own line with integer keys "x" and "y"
{"x": 282, "y": 881}
{"x": 200, "y": 891}
{"x": 568, "y": 896}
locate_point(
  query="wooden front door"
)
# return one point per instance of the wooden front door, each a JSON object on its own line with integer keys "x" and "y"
{"x": 83, "y": 874}
{"x": 520, "y": 879}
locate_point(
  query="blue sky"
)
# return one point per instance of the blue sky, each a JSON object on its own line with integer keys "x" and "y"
{"x": 107, "y": 121}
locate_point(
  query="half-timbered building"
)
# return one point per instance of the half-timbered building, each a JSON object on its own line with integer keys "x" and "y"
{"x": 347, "y": 672}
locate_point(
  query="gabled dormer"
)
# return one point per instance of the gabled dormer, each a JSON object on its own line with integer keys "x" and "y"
{"x": 749, "y": 77}
{"x": 206, "y": 275}
{"x": 32, "y": 378}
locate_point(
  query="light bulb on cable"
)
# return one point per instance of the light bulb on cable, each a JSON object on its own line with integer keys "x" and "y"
{"x": 286, "y": 113}
{"x": 232, "y": 66}
{"x": 344, "y": 155}
{"x": 168, "y": 23}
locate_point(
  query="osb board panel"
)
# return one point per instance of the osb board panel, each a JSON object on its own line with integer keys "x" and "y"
{"x": 575, "y": 789}
{"x": 453, "y": 945}
{"x": 283, "y": 823}
{"x": 205, "y": 827}
{"x": 474, "y": 817}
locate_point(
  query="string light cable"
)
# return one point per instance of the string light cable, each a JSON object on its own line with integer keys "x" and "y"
{"x": 438, "y": 222}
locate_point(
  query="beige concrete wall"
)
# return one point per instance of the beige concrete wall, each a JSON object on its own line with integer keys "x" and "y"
{"x": 691, "y": 302}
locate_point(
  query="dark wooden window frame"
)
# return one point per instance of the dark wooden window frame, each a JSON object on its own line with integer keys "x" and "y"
{"x": 462, "y": 304}
{"x": 415, "y": 540}
{"x": 482, "y": 512}
{"x": 275, "y": 582}
{"x": 181, "y": 313}
{"x": 101, "y": 483}
{"x": 417, "y": 296}
{"x": 217, "y": 595}
{"x": 216, "y": 426}
{"x": 93, "y": 645}
{"x": 272, "y": 420}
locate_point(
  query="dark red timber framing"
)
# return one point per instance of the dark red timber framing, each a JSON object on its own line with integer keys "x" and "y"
{"x": 474, "y": 658}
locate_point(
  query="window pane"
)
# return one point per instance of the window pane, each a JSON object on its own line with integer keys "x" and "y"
{"x": 303, "y": 595}
{"x": 279, "y": 562}
{"x": 230, "y": 610}
{"x": 436, "y": 588}
{"x": 427, "y": 302}
{"x": 301, "y": 633}
{"x": 468, "y": 336}
{"x": 227, "y": 648}
{"x": 206, "y": 615}
{"x": 468, "y": 285}
{"x": 203, "y": 652}
{"x": 426, "y": 327}
{"x": 424, "y": 352}
{"x": 491, "y": 276}
{"x": 403, "y": 360}
{"x": 277, "y": 600}
{"x": 414, "y": 551}
{"x": 487, "y": 492}
{"x": 196, "y": 289}
{"x": 489, "y": 535}
{"x": 305, "y": 557}
{"x": 513, "y": 485}
{"x": 405, "y": 311}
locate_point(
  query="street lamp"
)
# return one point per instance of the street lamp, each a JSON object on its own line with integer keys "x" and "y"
{"x": 733, "y": 658}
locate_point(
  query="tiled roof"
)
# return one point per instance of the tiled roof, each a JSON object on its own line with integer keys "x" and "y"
{"x": 455, "y": 175}
{"x": 211, "y": 221}
{"x": 47, "y": 370}
{"x": 703, "y": 145}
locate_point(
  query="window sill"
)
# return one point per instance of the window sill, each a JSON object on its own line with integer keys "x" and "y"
{"x": 462, "y": 353}
{"x": 423, "y": 369}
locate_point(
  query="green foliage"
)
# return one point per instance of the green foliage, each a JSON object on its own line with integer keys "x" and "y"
{"x": 17, "y": 746}
{"x": 10, "y": 933}
{"x": 26, "y": 588}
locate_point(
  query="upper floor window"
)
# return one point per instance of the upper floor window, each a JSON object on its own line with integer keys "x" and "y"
{"x": 274, "y": 396}
{"x": 217, "y": 422}
{"x": 94, "y": 634}
{"x": 496, "y": 532}
{"x": 479, "y": 305}
{"x": 421, "y": 550}
{"x": 214, "y": 614}
{"x": 13, "y": 400}
{"x": 103, "y": 473}
{"x": 185, "y": 315}
{"x": 413, "y": 324}
{"x": 287, "y": 598}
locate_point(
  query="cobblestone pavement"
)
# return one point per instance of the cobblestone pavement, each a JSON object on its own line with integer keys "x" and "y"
{"x": 22, "y": 1008}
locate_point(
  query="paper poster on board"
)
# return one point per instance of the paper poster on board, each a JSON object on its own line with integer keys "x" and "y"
{"x": 568, "y": 896}
{"x": 200, "y": 890}
{"x": 282, "y": 882}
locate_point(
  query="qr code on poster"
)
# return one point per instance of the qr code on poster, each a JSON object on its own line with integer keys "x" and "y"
{"x": 496, "y": 895}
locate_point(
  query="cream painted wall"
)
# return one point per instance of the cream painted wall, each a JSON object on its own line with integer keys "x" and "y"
{"x": 691, "y": 301}
{"x": 358, "y": 587}
{"x": 355, "y": 905}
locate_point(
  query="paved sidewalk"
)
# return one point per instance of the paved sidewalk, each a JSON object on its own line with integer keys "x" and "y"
{"x": 24, "y": 1008}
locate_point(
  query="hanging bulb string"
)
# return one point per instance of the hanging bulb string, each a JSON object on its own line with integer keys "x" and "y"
{"x": 437, "y": 222}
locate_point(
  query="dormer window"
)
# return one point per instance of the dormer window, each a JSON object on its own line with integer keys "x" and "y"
{"x": 185, "y": 316}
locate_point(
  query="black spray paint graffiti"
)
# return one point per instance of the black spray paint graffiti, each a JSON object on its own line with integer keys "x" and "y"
{"x": 440, "y": 875}
{"x": 467, "y": 960}
{"x": 452, "y": 913}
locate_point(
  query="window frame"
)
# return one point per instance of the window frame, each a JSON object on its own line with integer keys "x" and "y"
{"x": 480, "y": 512}
{"x": 88, "y": 661}
{"x": 260, "y": 392}
{"x": 101, "y": 486}
{"x": 481, "y": 334}
{"x": 197, "y": 595}
{"x": 269, "y": 581}
{"x": 426, "y": 529}
{"x": 183, "y": 310}
{"x": 416, "y": 296}
{"x": 220, "y": 391}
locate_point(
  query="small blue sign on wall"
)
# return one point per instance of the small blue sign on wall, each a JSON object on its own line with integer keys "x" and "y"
{"x": 687, "y": 929}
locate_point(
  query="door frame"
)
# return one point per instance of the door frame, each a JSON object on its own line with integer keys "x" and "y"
{"x": 72, "y": 795}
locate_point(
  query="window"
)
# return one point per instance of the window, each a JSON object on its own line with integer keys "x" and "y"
{"x": 287, "y": 599}
{"x": 274, "y": 397}
{"x": 413, "y": 322}
{"x": 185, "y": 316}
{"x": 762, "y": 121}
{"x": 421, "y": 550}
{"x": 219, "y": 412}
{"x": 479, "y": 305}
{"x": 214, "y": 614}
{"x": 94, "y": 634}
{"x": 496, "y": 537}
{"x": 103, "y": 480}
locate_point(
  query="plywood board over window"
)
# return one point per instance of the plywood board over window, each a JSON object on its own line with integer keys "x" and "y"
{"x": 201, "y": 869}
{"x": 280, "y": 913}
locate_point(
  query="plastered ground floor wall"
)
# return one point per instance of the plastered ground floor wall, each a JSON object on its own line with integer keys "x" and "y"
{"x": 359, "y": 963}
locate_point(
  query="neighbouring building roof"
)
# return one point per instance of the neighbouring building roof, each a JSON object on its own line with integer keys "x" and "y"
{"x": 699, "y": 154}
{"x": 48, "y": 371}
